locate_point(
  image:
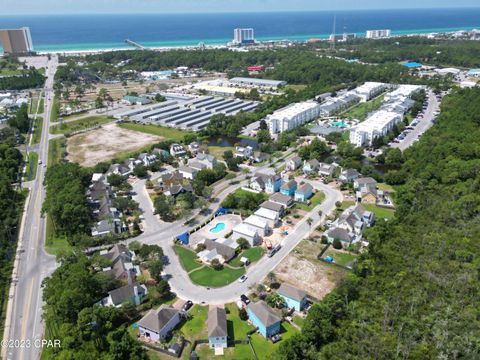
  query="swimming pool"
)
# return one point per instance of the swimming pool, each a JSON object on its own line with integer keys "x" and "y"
{"x": 217, "y": 228}
{"x": 339, "y": 124}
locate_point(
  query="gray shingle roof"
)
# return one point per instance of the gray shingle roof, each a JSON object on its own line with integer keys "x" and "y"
{"x": 264, "y": 313}
{"x": 270, "y": 205}
{"x": 217, "y": 322}
{"x": 291, "y": 292}
{"x": 155, "y": 320}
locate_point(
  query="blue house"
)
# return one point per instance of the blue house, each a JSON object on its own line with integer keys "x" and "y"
{"x": 289, "y": 188}
{"x": 295, "y": 298}
{"x": 217, "y": 328}
{"x": 264, "y": 318}
{"x": 272, "y": 183}
{"x": 304, "y": 192}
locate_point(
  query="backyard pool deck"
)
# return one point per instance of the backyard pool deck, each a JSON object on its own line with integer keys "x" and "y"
{"x": 230, "y": 221}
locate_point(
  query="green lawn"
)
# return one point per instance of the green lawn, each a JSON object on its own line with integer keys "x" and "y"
{"x": 385, "y": 187}
{"x": 209, "y": 277}
{"x": 315, "y": 201}
{"x": 166, "y": 132}
{"x": 253, "y": 254}
{"x": 33, "y": 163}
{"x": 33, "y": 104}
{"x": 340, "y": 258}
{"x": 196, "y": 328}
{"x": 299, "y": 321}
{"x": 55, "y": 244}
{"x": 37, "y": 134}
{"x": 55, "y": 109}
{"x": 361, "y": 111}
{"x": 380, "y": 213}
{"x": 73, "y": 126}
{"x": 10, "y": 72}
{"x": 218, "y": 151}
{"x": 56, "y": 150}
{"x": 41, "y": 106}
{"x": 188, "y": 258}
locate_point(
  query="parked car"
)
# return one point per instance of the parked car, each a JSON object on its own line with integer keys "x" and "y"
{"x": 188, "y": 304}
{"x": 245, "y": 299}
{"x": 276, "y": 338}
{"x": 242, "y": 278}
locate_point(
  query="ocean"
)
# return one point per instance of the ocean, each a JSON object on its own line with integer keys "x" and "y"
{"x": 94, "y": 32}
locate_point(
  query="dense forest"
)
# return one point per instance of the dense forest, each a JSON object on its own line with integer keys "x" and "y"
{"x": 11, "y": 208}
{"x": 29, "y": 79}
{"x": 415, "y": 293}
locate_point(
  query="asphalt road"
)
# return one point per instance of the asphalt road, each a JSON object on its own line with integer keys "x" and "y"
{"x": 160, "y": 233}
{"x": 24, "y": 320}
{"x": 423, "y": 124}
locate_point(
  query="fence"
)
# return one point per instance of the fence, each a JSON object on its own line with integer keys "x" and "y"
{"x": 176, "y": 353}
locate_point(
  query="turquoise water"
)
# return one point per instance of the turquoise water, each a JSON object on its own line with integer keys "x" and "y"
{"x": 339, "y": 124}
{"x": 217, "y": 228}
{"x": 96, "y": 32}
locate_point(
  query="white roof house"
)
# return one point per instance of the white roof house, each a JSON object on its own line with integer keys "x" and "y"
{"x": 270, "y": 216}
{"x": 247, "y": 232}
{"x": 259, "y": 223}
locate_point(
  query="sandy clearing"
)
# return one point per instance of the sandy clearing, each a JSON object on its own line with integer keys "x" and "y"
{"x": 103, "y": 144}
{"x": 301, "y": 269}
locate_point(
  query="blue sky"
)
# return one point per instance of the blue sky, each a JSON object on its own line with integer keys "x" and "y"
{"x": 178, "y": 6}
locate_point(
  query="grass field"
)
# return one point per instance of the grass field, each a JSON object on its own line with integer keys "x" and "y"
{"x": 340, "y": 257}
{"x": 55, "y": 244}
{"x": 41, "y": 106}
{"x": 253, "y": 254}
{"x": 209, "y": 277}
{"x": 385, "y": 187}
{"x": 33, "y": 163}
{"x": 32, "y": 109}
{"x": 86, "y": 123}
{"x": 56, "y": 151}
{"x": 380, "y": 213}
{"x": 188, "y": 258}
{"x": 265, "y": 349}
{"x": 55, "y": 110}
{"x": 361, "y": 111}
{"x": 315, "y": 201}
{"x": 218, "y": 151}
{"x": 168, "y": 133}
{"x": 37, "y": 134}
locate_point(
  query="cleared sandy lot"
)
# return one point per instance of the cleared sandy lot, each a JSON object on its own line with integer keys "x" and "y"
{"x": 92, "y": 147}
{"x": 301, "y": 269}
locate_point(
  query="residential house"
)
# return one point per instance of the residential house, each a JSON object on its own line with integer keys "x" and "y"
{"x": 311, "y": 166}
{"x": 157, "y": 324}
{"x": 187, "y": 172}
{"x": 215, "y": 250}
{"x": 178, "y": 189}
{"x": 147, "y": 159}
{"x": 294, "y": 297}
{"x": 118, "y": 169}
{"x": 304, "y": 192}
{"x": 367, "y": 196}
{"x": 348, "y": 176}
{"x": 169, "y": 179}
{"x": 196, "y": 165}
{"x": 294, "y": 163}
{"x": 327, "y": 170}
{"x": 228, "y": 242}
{"x": 206, "y": 159}
{"x": 365, "y": 184}
{"x": 161, "y": 153}
{"x": 257, "y": 183}
{"x": 266, "y": 182}
{"x": 289, "y": 188}
{"x": 177, "y": 150}
{"x": 107, "y": 227}
{"x": 247, "y": 232}
{"x": 134, "y": 293}
{"x": 259, "y": 223}
{"x": 284, "y": 200}
{"x": 264, "y": 318}
{"x": 122, "y": 262}
{"x": 217, "y": 327}
{"x": 271, "y": 205}
{"x": 194, "y": 147}
{"x": 367, "y": 217}
{"x": 269, "y": 216}
{"x": 341, "y": 234}
{"x": 259, "y": 156}
{"x": 243, "y": 152}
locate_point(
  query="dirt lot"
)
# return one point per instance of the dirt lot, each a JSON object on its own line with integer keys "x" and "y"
{"x": 105, "y": 143}
{"x": 302, "y": 269}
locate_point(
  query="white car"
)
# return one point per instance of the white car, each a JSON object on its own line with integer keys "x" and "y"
{"x": 242, "y": 278}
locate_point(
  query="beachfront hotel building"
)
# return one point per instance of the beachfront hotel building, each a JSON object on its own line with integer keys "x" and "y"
{"x": 378, "y": 34}
{"x": 377, "y": 125}
{"x": 292, "y": 116}
{"x": 243, "y": 36}
{"x": 16, "y": 41}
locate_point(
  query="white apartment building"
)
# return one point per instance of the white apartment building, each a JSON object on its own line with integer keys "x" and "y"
{"x": 378, "y": 34}
{"x": 292, "y": 116}
{"x": 369, "y": 90}
{"x": 377, "y": 125}
{"x": 403, "y": 91}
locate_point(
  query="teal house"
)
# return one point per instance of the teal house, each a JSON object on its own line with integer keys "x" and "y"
{"x": 289, "y": 188}
{"x": 264, "y": 318}
{"x": 295, "y": 298}
{"x": 304, "y": 192}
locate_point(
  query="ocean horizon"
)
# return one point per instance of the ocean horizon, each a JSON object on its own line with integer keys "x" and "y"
{"x": 57, "y": 33}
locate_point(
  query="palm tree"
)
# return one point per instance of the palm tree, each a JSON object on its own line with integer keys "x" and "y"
{"x": 271, "y": 277}
{"x": 310, "y": 222}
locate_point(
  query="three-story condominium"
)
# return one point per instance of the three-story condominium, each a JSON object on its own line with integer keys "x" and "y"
{"x": 292, "y": 116}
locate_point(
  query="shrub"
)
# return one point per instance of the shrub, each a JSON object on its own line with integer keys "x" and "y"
{"x": 337, "y": 244}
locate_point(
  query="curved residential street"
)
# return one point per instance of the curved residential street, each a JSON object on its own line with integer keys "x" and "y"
{"x": 160, "y": 233}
